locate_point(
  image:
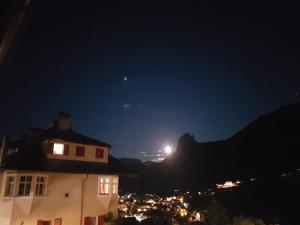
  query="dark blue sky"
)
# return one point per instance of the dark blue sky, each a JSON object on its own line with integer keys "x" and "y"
{"x": 206, "y": 69}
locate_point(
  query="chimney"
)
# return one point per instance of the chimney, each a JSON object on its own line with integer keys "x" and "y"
{"x": 3, "y": 149}
{"x": 64, "y": 121}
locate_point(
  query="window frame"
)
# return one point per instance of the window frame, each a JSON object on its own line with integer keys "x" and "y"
{"x": 104, "y": 187}
{"x": 12, "y": 185}
{"x": 108, "y": 185}
{"x": 58, "y": 144}
{"x": 114, "y": 185}
{"x": 26, "y": 183}
{"x": 38, "y": 185}
{"x": 17, "y": 182}
{"x": 52, "y": 143}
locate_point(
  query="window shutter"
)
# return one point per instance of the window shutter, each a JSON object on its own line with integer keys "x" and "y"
{"x": 80, "y": 151}
{"x": 50, "y": 148}
{"x": 66, "y": 149}
{"x": 40, "y": 222}
{"x": 99, "y": 153}
{"x": 100, "y": 220}
{"x": 87, "y": 220}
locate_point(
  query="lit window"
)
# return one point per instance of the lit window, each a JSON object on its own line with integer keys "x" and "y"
{"x": 58, "y": 149}
{"x": 104, "y": 186}
{"x": 25, "y": 185}
{"x": 115, "y": 185}
{"x": 40, "y": 186}
{"x": 10, "y": 183}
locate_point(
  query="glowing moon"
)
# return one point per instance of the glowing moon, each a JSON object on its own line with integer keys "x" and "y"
{"x": 168, "y": 150}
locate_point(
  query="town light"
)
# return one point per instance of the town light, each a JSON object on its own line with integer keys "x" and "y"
{"x": 228, "y": 184}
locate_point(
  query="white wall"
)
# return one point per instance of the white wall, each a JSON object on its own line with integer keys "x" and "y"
{"x": 56, "y": 204}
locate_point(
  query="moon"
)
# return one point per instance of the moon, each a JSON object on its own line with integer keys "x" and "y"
{"x": 168, "y": 149}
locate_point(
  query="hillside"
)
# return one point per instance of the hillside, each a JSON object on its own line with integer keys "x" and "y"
{"x": 266, "y": 147}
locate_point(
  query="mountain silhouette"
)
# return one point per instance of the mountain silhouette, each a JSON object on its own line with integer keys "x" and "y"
{"x": 267, "y": 147}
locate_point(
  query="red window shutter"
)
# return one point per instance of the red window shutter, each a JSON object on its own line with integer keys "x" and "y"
{"x": 80, "y": 151}
{"x": 66, "y": 149}
{"x": 87, "y": 220}
{"x": 99, "y": 153}
{"x": 50, "y": 147}
{"x": 40, "y": 222}
{"x": 100, "y": 220}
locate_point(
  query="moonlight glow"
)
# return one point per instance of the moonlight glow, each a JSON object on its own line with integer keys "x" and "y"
{"x": 168, "y": 150}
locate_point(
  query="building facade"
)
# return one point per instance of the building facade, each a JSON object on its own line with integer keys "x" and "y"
{"x": 56, "y": 176}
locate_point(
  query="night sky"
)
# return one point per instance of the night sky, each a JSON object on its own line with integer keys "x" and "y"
{"x": 208, "y": 69}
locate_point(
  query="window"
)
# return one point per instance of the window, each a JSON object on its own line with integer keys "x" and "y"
{"x": 99, "y": 153}
{"x": 43, "y": 222}
{"x": 90, "y": 220}
{"x": 58, "y": 149}
{"x": 104, "y": 186}
{"x": 25, "y": 185}
{"x": 50, "y": 148}
{"x": 66, "y": 149}
{"x": 80, "y": 150}
{"x": 58, "y": 221}
{"x": 115, "y": 185}
{"x": 40, "y": 186}
{"x": 9, "y": 188}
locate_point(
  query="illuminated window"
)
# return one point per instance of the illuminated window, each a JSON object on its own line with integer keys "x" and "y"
{"x": 115, "y": 185}
{"x": 25, "y": 185}
{"x": 104, "y": 185}
{"x": 10, "y": 183}
{"x": 40, "y": 186}
{"x": 58, "y": 149}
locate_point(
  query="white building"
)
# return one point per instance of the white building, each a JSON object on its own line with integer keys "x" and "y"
{"x": 56, "y": 176}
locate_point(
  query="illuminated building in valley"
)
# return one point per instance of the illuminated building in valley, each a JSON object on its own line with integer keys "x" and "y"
{"x": 57, "y": 176}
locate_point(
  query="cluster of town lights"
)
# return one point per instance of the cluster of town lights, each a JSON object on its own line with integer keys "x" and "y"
{"x": 228, "y": 184}
{"x": 140, "y": 207}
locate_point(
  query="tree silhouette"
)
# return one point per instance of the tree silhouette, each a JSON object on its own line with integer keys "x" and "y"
{"x": 247, "y": 221}
{"x": 216, "y": 214}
